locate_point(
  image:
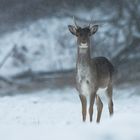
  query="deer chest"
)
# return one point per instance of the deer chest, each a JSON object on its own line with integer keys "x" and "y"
{"x": 84, "y": 80}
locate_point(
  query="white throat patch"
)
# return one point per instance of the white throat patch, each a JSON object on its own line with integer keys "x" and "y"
{"x": 83, "y": 45}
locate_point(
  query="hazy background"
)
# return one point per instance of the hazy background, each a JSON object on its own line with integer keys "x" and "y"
{"x": 44, "y": 50}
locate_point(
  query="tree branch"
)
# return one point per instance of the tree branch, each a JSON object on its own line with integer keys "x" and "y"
{"x": 7, "y": 56}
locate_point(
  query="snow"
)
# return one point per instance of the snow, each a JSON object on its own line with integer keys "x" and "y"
{"x": 47, "y": 45}
{"x": 41, "y": 44}
{"x": 56, "y": 115}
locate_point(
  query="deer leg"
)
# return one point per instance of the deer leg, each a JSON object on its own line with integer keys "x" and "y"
{"x": 84, "y": 106}
{"x": 99, "y": 108}
{"x": 110, "y": 101}
{"x": 92, "y": 99}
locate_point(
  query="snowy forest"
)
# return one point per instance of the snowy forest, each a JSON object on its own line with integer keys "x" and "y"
{"x": 38, "y": 99}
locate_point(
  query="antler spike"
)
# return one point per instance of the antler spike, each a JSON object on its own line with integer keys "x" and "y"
{"x": 75, "y": 22}
{"x": 90, "y": 21}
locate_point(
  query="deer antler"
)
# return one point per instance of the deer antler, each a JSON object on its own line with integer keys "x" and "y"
{"x": 75, "y": 22}
{"x": 90, "y": 22}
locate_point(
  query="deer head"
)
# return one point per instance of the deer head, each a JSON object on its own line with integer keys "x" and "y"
{"x": 83, "y": 33}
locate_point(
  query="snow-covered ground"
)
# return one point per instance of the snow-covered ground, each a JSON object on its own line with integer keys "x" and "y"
{"x": 56, "y": 115}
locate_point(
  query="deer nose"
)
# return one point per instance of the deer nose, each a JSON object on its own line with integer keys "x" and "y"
{"x": 84, "y": 42}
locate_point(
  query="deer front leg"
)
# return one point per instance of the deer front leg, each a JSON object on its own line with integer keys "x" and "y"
{"x": 84, "y": 106}
{"x": 99, "y": 108}
{"x": 110, "y": 101}
{"x": 92, "y": 99}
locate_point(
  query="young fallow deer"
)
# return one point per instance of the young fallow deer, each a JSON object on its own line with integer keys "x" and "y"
{"x": 91, "y": 74}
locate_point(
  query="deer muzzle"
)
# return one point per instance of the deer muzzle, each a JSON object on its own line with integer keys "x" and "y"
{"x": 83, "y": 46}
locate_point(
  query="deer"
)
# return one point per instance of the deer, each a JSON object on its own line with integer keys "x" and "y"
{"x": 92, "y": 74}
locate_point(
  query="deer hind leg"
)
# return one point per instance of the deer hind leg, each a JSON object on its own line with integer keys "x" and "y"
{"x": 110, "y": 101}
{"x": 84, "y": 106}
{"x": 99, "y": 108}
{"x": 92, "y": 99}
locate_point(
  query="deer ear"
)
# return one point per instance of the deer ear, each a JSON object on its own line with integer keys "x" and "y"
{"x": 93, "y": 29}
{"x": 72, "y": 29}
